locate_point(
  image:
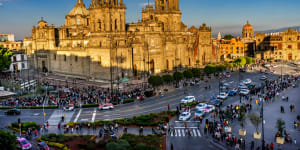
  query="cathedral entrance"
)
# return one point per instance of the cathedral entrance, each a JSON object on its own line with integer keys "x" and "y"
{"x": 44, "y": 68}
{"x": 152, "y": 69}
{"x": 135, "y": 70}
{"x": 290, "y": 57}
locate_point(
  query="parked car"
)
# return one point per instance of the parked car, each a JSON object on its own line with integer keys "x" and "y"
{"x": 188, "y": 99}
{"x": 201, "y": 106}
{"x": 247, "y": 81}
{"x": 184, "y": 116}
{"x": 199, "y": 113}
{"x": 244, "y": 92}
{"x": 222, "y": 95}
{"x": 23, "y": 144}
{"x": 263, "y": 78}
{"x": 13, "y": 111}
{"x": 233, "y": 92}
{"x": 69, "y": 107}
{"x": 43, "y": 146}
{"x": 106, "y": 106}
{"x": 209, "y": 108}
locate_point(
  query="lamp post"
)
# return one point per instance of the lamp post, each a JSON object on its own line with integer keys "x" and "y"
{"x": 262, "y": 125}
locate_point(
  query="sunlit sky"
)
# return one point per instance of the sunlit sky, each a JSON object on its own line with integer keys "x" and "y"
{"x": 225, "y": 16}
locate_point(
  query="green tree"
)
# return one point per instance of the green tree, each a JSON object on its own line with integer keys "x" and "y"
{"x": 188, "y": 74}
{"x": 249, "y": 60}
{"x": 155, "y": 81}
{"x": 280, "y": 125}
{"x": 228, "y": 37}
{"x": 178, "y": 76}
{"x": 167, "y": 78}
{"x": 255, "y": 120}
{"x": 220, "y": 67}
{"x": 142, "y": 146}
{"x": 241, "y": 61}
{"x": 7, "y": 140}
{"x": 242, "y": 116}
{"x": 196, "y": 72}
{"x": 209, "y": 69}
{"x": 5, "y": 58}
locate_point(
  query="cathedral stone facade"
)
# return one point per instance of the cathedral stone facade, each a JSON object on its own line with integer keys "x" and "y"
{"x": 96, "y": 43}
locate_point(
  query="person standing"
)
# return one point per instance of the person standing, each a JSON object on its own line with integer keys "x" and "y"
{"x": 168, "y": 107}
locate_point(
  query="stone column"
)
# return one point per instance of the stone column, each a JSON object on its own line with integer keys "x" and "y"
{"x": 165, "y": 4}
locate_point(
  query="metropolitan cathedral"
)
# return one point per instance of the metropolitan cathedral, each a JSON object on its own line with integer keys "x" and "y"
{"x": 97, "y": 43}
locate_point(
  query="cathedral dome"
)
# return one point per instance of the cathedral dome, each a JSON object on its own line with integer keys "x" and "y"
{"x": 79, "y": 9}
{"x": 247, "y": 26}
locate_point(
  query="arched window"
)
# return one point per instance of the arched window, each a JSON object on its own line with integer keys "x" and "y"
{"x": 99, "y": 24}
{"x": 77, "y": 21}
{"x": 116, "y": 24}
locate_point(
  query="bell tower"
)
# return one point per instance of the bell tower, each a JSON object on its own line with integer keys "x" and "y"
{"x": 166, "y": 5}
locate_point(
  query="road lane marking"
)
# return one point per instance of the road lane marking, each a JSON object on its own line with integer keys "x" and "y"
{"x": 94, "y": 115}
{"x": 199, "y": 132}
{"x": 185, "y": 127}
{"x": 176, "y": 133}
{"x": 194, "y": 131}
{"x": 76, "y": 119}
{"x": 183, "y": 132}
{"x": 179, "y": 133}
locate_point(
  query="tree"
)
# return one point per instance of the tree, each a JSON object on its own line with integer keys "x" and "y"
{"x": 167, "y": 78}
{"x": 242, "y": 116}
{"x": 178, "y": 76}
{"x": 280, "y": 125}
{"x": 155, "y": 81}
{"x": 142, "y": 146}
{"x": 228, "y": 37}
{"x": 188, "y": 74}
{"x": 198, "y": 62}
{"x": 220, "y": 67}
{"x": 255, "y": 120}
{"x": 241, "y": 61}
{"x": 121, "y": 145}
{"x": 5, "y": 58}
{"x": 7, "y": 140}
{"x": 209, "y": 69}
{"x": 196, "y": 72}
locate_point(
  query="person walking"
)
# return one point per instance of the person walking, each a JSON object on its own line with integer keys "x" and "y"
{"x": 168, "y": 107}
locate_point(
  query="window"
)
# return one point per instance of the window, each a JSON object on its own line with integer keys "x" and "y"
{"x": 65, "y": 58}
{"x": 22, "y": 57}
{"x": 76, "y": 58}
{"x": 15, "y": 58}
{"x": 23, "y": 66}
{"x": 87, "y": 22}
{"x": 54, "y": 56}
{"x": 289, "y": 46}
{"x": 77, "y": 21}
{"x": 99, "y": 24}
{"x": 116, "y": 24}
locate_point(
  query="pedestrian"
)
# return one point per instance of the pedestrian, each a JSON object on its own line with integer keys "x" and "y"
{"x": 271, "y": 146}
{"x": 172, "y": 147}
{"x": 168, "y": 107}
{"x": 89, "y": 125}
{"x": 291, "y": 108}
{"x": 94, "y": 127}
{"x": 295, "y": 141}
{"x": 141, "y": 130}
{"x": 116, "y": 127}
{"x": 35, "y": 132}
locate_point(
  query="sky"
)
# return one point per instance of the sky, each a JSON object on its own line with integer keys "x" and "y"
{"x": 225, "y": 16}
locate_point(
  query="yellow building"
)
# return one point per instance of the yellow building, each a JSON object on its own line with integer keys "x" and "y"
{"x": 96, "y": 42}
{"x": 231, "y": 49}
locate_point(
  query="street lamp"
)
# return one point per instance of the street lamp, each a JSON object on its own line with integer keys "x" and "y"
{"x": 263, "y": 129}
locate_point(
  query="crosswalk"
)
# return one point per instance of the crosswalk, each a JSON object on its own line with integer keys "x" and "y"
{"x": 182, "y": 132}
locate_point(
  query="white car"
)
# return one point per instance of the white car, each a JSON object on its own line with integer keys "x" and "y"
{"x": 222, "y": 95}
{"x": 244, "y": 92}
{"x": 69, "y": 107}
{"x": 188, "y": 99}
{"x": 247, "y": 81}
{"x": 263, "y": 78}
{"x": 209, "y": 108}
{"x": 106, "y": 106}
{"x": 201, "y": 106}
{"x": 199, "y": 113}
{"x": 184, "y": 116}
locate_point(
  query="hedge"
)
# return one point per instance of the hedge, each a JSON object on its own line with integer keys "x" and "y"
{"x": 24, "y": 125}
{"x": 128, "y": 101}
{"x": 31, "y": 107}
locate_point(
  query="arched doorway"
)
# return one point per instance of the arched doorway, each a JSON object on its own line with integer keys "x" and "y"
{"x": 135, "y": 70}
{"x": 167, "y": 65}
{"x": 152, "y": 69}
{"x": 290, "y": 57}
{"x": 44, "y": 68}
{"x": 189, "y": 61}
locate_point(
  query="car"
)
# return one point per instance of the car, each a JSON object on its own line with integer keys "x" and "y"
{"x": 106, "y": 106}
{"x": 242, "y": 70}
{"x": 43, "y": 146}
{"x": 69, "y": 107}
{"x": 244, "y": 92}
{"x": 263, "y": 78}
{"x": 184, "y": 116}
{"x": 209, "y": 108}
{"x": 232, "y": 92}
{"x": 275, "y": 66}
{"x": 228, "y": 75}
{"x": 188, "y": 99}
{"x": 222, "y": 95}
{"x": 23, "y": 144}
{"x": 223, "y": 87}
{"x": 201, "y": 106}
{"x": 199, "y": 113}
{"x": 247, "y": 81}
{"x": 13, "y": 111}
{"x": 267, "y": 65}
{"x": 217, "y": 102}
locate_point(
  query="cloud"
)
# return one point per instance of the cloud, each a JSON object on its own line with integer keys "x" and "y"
{"x": 1, "y": 4}
{"x": 145, "y": 4}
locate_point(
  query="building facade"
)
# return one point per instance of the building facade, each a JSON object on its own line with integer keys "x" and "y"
{"x": 232, "y": 49}
{"x": 8, "y": 41}
{"x": 19, "y": 61}
{"x": 284, "y": 46}
{"x": 96, "y": 43}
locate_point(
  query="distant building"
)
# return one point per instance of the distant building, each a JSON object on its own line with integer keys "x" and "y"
{"x": 248, "y": 32}
{"x": 8, "y": 41}
{"x": 285, "y": 45}
{"x": 19, "y": 61}
{"x": 232, "y": 49}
